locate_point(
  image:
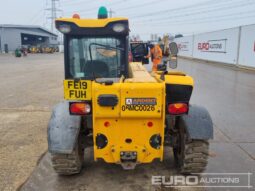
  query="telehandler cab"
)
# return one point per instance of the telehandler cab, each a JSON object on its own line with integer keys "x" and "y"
{"x": 125, "y": 113}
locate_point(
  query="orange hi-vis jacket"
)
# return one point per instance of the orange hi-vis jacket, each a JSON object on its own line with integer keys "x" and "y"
{"x": 156, "y": 55}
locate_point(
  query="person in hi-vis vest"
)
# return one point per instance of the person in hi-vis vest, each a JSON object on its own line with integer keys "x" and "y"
{"x": 156, "y": 56}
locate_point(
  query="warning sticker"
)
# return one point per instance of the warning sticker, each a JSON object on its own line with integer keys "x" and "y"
{"x": 141, "y": 101}
{"x": 77, "y": 90}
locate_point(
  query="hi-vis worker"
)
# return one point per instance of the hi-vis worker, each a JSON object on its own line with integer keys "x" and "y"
{"x": 156, "y": 56}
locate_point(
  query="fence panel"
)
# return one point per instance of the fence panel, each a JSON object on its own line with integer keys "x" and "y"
{"x": 247, "y": 46}
{"x": 219, "y": 46}
{"x": 185, "y": 46}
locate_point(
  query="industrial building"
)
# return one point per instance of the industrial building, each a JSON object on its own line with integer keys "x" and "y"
{"x": 16, "y": 36}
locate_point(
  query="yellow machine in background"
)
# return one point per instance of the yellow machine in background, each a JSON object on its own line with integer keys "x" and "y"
{"x": 46, "y": 49}
{"x": 34, "y": 49}
{"x": 125, "y": 113}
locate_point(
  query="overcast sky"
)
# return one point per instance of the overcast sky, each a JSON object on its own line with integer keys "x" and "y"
{"x": 146, "y": 16}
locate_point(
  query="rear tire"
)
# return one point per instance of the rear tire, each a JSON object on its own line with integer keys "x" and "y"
{"x": 68, "y": 164}
{"x": 190, "y": 156}
{"x": 195, "y": 157}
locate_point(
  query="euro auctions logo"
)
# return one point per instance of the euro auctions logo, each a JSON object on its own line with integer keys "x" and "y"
{"x": 206, "y": 180}
{"x": 218, "y": 46}
{"x": 203, "y": 46}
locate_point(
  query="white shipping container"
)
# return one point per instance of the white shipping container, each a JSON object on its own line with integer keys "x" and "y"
{"x": 185, "y": 46}
{"x": 247, "y": 46}
{"x": 219, "y": 46}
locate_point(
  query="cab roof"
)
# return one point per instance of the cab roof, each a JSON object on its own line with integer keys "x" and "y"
{"x": 91, "y": 23}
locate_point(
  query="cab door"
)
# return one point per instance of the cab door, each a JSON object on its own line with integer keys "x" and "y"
{"x": 139, "y": 50}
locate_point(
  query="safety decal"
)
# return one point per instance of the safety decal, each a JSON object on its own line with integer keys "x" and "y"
{"x": 141, "y": 101}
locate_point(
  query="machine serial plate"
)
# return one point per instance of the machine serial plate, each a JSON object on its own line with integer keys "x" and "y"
{"x": 77, "y": 90}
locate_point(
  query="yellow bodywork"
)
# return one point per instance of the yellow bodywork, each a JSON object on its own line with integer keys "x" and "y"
{"x": 177, "y": 78}
{"x": 129, "y": 124}
{"x": 91, "y": 23}
{"x": 127, "y": 120}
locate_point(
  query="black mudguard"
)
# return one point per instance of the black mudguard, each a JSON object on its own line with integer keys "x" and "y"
{"x": 198, "y": 123}
{"x": 63, "y": 129}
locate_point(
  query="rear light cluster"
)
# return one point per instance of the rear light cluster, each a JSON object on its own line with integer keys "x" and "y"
{"x": 79, "y": 108}
{"x": 178, "y": 108}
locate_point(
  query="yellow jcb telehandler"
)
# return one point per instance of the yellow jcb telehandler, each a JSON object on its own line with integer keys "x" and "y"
{"x": 125, "y": 113}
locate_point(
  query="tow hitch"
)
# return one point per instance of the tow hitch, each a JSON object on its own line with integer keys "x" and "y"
{"x": 128, "y": 159}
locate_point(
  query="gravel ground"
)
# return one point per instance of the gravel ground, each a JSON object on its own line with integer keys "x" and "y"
{"x": 29, "y": 88}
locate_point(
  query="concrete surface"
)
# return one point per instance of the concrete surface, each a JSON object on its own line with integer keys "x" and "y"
{"x": 98, "y": 176}
{"x": 37, "y": 80}
{"x": 228, "y": 94}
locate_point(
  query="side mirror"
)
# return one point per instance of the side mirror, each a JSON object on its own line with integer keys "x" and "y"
{"x": 173, "y": 62}
{"x": 173, "y": 55}
{"x": 173, "y": 48}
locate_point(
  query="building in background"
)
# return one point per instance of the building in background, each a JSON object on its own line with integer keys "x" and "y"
{"x": 16, "y": 36}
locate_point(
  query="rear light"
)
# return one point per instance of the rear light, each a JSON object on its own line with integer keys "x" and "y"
{"x": 178, "y": 108}
{"x": 107, "y": 124}
{"x": 149, "y": 124}
{"x": 80, "y": 108}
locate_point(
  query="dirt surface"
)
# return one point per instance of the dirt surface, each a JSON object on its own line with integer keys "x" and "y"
{"x": 29, "y": 87}
{"x": 99, "y": 176}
